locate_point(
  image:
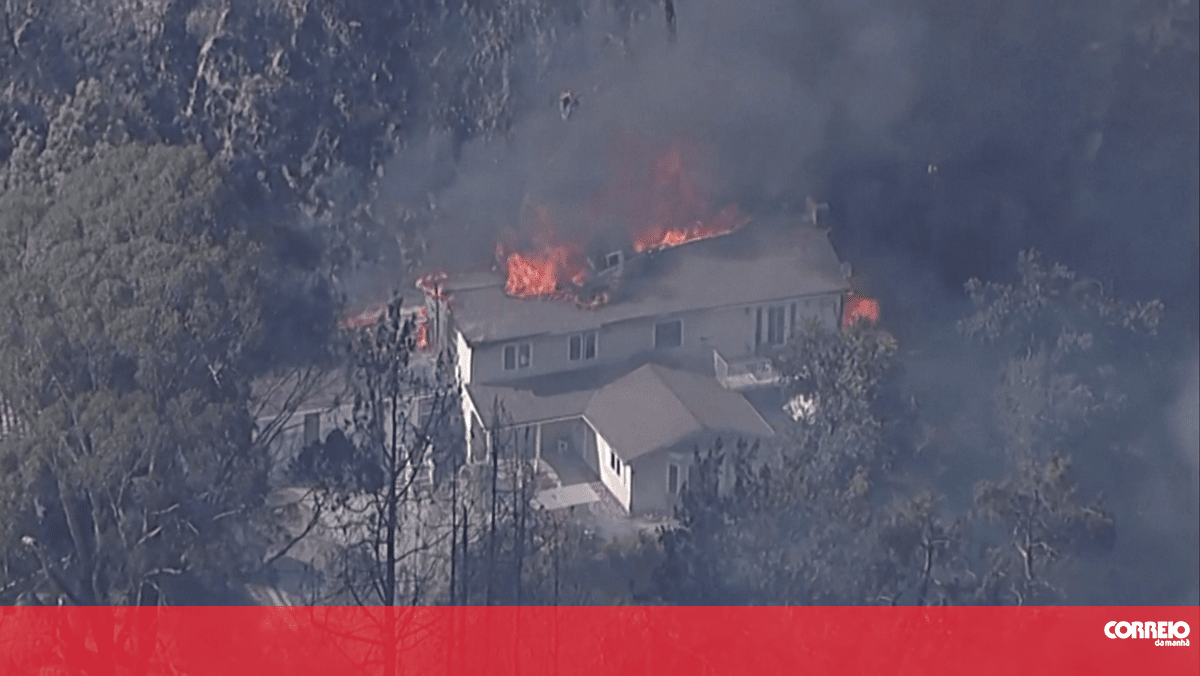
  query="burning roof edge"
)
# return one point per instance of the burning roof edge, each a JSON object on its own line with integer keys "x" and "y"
{"x": 787, "y": 262}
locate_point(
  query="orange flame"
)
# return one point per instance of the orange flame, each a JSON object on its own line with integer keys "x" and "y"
{"x": 549, "y": 270}
{"x": 541, "y": 273}
{"x": 859, "y": 308}
{"x": 373, "y": 314}
{"x": 678, "y": 212}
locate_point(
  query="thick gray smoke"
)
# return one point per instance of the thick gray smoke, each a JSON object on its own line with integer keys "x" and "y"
{"x": 1185, "y": 418}
{"x": 750, "y": 89}
{"x": 946, "y": 136}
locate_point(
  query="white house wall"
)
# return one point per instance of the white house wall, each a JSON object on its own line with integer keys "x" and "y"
{"x": 730, "y": 331}
{"x": 619, "y": 486}
{"x": 463, "y": 355}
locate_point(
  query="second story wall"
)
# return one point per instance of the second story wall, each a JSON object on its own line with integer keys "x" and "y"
{"x": 734, "y": 332}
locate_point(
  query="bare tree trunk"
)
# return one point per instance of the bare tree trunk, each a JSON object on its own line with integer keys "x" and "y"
{"x": 491, "y": 573}
{"x": 453, "y": 537}
{"x": 466, "y": 559}
{"x": 521, "y": 505}
{"x": 389, "y": 589}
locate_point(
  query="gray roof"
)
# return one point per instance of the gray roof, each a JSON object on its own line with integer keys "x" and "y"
{"x": 566, "y": 394}
{"x": 300, "y": 391}
{"x": 763, "y": 262}
{"x": 656, "y": 407}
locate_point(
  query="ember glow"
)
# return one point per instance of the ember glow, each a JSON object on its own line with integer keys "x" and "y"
{"x": 859, "y": 308}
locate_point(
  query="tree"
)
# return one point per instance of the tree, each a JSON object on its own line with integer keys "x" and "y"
{"x": 1045, "y": 522}
{"x": 923, "y": 561}
{"x": 374, "y": 493}
{"x": 839, "y": 376}
{"x": 130, "y": 323}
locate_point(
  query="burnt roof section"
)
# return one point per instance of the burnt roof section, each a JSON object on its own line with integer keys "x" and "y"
{"x": 655, "y": 407}
{"x": 764, "y": 261}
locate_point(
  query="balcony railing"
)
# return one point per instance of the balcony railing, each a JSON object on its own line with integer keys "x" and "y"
{"x": 740, "y": 374}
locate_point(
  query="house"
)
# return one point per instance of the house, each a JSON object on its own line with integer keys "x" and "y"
{"x": 618, "y": 392}
{"x": 314, "y": 409}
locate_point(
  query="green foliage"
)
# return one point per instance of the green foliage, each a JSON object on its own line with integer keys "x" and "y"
{"x": 789, "y": 522}
{"x": 130, "y": 326}
{"x": 842, "y": 373}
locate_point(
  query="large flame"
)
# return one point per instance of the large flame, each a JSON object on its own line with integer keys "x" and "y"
{"x": 542, "y": 273}
{"x": 661, "y": 201}
{"x": 859, "y": 308}
{"x": 551, "y": 268}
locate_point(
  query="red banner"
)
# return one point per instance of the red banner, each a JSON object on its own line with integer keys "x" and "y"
{"x": 584, "y": 641}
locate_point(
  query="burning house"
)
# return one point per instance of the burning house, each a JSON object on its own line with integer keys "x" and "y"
{"x": 611, "y": 366}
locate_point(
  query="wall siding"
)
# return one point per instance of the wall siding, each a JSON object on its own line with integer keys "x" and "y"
{"x": 619, "y": 486}
{"x": 730, "y": 331}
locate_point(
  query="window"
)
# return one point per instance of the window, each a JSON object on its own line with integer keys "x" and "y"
{"x": 517, "y": 356}
{"x": 776, "y": 329}
{"x": 668, "y": 334}
{"x": 792, "y": 321}
{"x": 613, "y": 260}
{"x": 582, "y": 346}
{"x": 673, "y": 479}
{"x": 312, "y": 429}
{"x": 614, "y": 462}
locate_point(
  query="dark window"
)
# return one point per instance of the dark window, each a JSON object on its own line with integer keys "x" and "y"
{"x": 612, "y": 260}
{"x": 776, "y": 329}
{"x": 517, "y": 356}
{"x": 792, "y": 321}
{"x": 312, "y": 429}
{"x": 589, "y": 345}
{"x": 758, "y": 327}
{"x": 673, "y": 479}
{"x": 668, "y": 334}
{"x": 582, "y": 346}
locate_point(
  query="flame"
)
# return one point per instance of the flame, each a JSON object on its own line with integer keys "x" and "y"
{"x": 678, "y": 211}
{"x": 551, "y": 269}
{"x": 365, "y": 318}
{"x": 541, "y": 273}
{"x": 373, "y": 314}
{"x": 728, "y": 220}
{"x": 422, "y": 337}
{"x": 859, "y": 308}
{"x": 431, "y": 286}
{"x": 661, "y": 201}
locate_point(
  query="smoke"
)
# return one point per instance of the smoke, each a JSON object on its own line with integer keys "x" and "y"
{"x": 750, "y": 89}
{"x": 945, "y": 138}
{"x": 1185, "y": 418}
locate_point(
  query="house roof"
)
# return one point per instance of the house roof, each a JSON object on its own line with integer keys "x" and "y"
{"x": 566, "y": 394}
{"x": 656, "y": 407}
{"x": 765, "y": 261}
{"x": 299, "y": 392}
